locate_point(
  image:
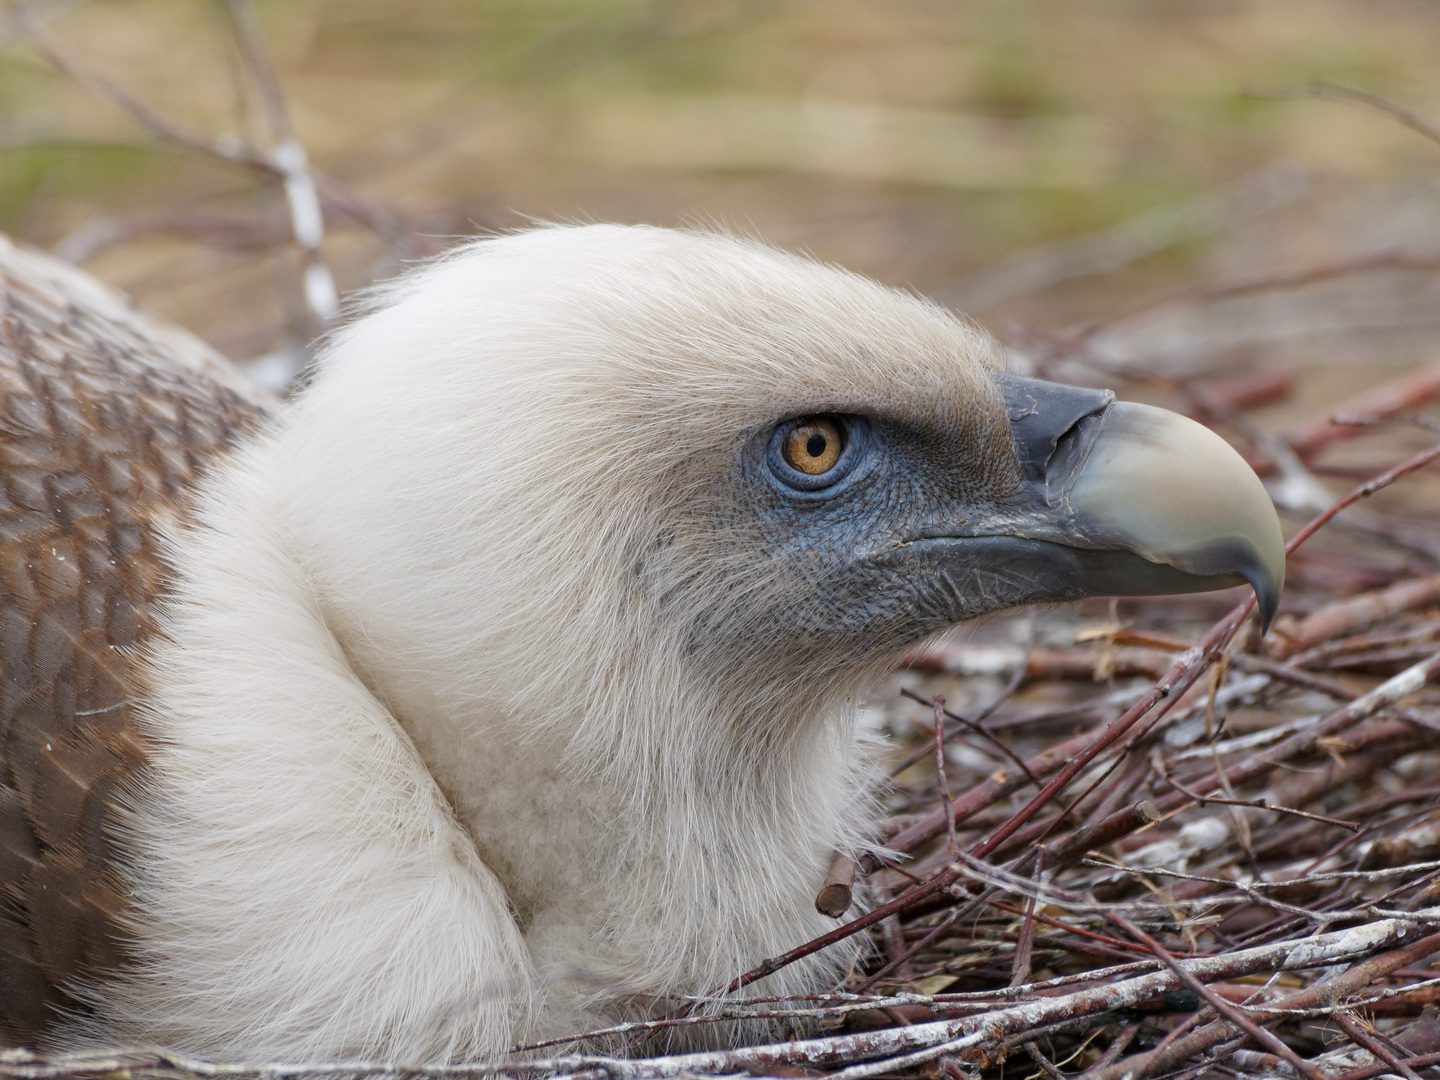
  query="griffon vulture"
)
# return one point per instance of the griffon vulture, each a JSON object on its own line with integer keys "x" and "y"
{"x": 511, "y": 672}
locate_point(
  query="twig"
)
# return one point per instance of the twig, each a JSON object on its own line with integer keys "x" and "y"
{"x": 905, "y": 956}
{"x": 1387, "y": 402}
{"x": 1328, "y": 91}
{"x": 970, "y": 725}
{"x": 1308, "y": 679}
{"x": 1113, "y": 248}
{"x": 1119, "y": 1044}
{"x": 1046, "y": 1065}
{"x": 1020, "y": 967}
{"x": 1017, "y": 674}
{"x": 1307, "y": 879}
{"x": 1050, "y": 920}
{"x": 1364, "y": 491}
{"x": 837, "y": 890}
{"x": 1325, "y": 917}
{"x": 1326, "y": 992}
{"x": 1179, "y": 678}
{"x": 977, "y": 798}
{"x": 1419, "y": 1061}
{"x": 225, "y": 148}
{"x": 1376, "y": 1048}
{"x": 1304, "y": 741}
{"x": 289, "y": 161}
{"x": 1218, "y": 1003}
{"x": 1269, "y": 282}
{"x": 1257, "y": 803}
{"x": 870, "y": 918}
{"x": 1358, "y": 613}
{"x": 945, "y": 795}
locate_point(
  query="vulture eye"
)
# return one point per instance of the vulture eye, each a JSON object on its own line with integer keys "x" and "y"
{"x": 813, "y": 446}
{"x": 811, "y": 453}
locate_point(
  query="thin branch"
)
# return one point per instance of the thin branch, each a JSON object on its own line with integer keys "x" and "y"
{"x": 256, "y": 58}
{"x": 1176, "y": 681}
{"x": 1328, "y": 91}
{"x": 1218, "y": 1003}
{"x": 1376, "y": 1048}
{"x": 973, "y": 726}
{"x": 1020, "y": 967}
{"x": 1259, "y": 803}
{"x": 883, "y": 1051}
{"x": 945, "y": 796}
{"x": 1327, "y": 991}
{"x": 1272, "y": 281}
{"x": 225, "y": 148}
{"x": 291, "y": 163}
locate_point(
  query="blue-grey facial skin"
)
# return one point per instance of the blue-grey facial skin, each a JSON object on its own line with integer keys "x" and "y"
{"x": 890, "y": 554}
{"x": 925, "y": 527}
{"x": 826, "y": 573}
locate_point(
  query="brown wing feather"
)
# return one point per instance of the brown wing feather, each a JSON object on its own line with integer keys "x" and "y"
{"x": 106, "y": 419}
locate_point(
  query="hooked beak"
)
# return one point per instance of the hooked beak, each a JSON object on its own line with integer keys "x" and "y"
{"x": 1119, "y": 499}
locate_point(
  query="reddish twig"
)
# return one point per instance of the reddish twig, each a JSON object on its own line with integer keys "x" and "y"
{"x": 1256, "y": 804}
{"x": 945, "y": 795}
{"x": 970, "y": 725}
{"x": 837, "y": 890}
{"x": 1020, "y": 967}
{"x": 1357, "y": 613}
{"x": 1328, "y": 991}
{"x": 1077, "y": 341}
{"x": 1178, "y": 679}
{"x": 1376, "y": 1048}
{"x": 1218, "y": 1003}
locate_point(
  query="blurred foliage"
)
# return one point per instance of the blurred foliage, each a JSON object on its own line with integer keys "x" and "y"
{"x": 915, "y": 140}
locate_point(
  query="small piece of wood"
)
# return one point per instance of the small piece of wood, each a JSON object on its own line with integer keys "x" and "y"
{"x": 838, "y": 890}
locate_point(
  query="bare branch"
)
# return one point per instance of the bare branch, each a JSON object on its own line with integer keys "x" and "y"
{"x": 1328, "y": 91}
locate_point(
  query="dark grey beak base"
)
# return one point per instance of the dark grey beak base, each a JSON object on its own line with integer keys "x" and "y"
{"x": 1118, "y": 499}
{"x": 973, "y": 576}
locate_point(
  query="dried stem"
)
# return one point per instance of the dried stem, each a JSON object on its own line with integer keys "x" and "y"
{"x": 945, "y": 795}
{"x": 289, "y": 161}
{"x": 225, "y": 148}
{"x": 1218, "y": 1003}
{"x": 1328, "y": 91}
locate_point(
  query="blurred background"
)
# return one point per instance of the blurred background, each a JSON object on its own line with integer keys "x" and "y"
{"x": 1154, "y": 195}
{"x": 918, "y": 141}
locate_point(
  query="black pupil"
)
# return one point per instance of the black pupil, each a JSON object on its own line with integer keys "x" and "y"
{"x": 815, "y": 445}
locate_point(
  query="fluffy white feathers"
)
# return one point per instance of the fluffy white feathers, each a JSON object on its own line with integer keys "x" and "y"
{"x": 479, "y": 709}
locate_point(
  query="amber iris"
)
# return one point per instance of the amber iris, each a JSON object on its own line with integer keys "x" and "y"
{"x": 813, "y": 446}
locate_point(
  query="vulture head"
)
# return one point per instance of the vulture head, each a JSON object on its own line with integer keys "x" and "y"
{"x": 513, "y": 674}
{"x": 570, "y": 471}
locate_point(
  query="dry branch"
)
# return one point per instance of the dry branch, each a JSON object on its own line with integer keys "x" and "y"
{"x": 1328, "y": 992}
{"x": 228, "y": 148}
{"x": 1357, "y": 613}
{"x": 971, "y": 1037}
{"x": 1387, "y": 400}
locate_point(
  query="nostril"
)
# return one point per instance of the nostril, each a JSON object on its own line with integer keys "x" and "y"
{"x": 1072, "y": 447}
{"x": 1053, "y": 424}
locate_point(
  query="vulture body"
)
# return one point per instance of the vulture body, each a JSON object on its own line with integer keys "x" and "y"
{"x": 107, "y": 418}
{"x": 508, "y": 679}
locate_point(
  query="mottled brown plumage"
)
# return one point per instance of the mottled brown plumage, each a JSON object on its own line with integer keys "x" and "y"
{"x": 106, "y": 419}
